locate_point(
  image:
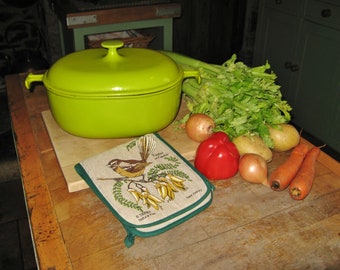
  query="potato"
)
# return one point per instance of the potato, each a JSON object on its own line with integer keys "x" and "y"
{"x": 253, "y": 144}
{"x": 284, "y": 138}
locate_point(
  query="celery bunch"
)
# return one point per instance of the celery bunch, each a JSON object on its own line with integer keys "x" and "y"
{"x": 241, "y": 99}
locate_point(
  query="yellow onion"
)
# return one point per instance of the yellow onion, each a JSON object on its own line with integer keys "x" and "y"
{"x": 199, "y": 127}
{"x": 253, "y": 168}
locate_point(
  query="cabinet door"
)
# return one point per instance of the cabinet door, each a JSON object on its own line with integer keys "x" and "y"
{"x": 276, "y": 41}
{"x": 316, "y": 104}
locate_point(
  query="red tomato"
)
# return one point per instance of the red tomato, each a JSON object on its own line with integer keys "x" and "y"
{"x": 217, "y": 157}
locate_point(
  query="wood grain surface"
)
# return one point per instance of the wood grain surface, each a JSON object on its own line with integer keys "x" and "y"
{"x": 247, "y": 226}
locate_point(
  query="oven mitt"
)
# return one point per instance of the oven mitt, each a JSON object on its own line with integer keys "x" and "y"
{"x": 147, "y": 185}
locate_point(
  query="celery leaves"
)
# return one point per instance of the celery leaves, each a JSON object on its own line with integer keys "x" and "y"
{"x": 241, "y": 99}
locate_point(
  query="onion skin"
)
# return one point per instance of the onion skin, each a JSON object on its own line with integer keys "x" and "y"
{"x": 253, "y": 168}
{"x": 199, "y": 127}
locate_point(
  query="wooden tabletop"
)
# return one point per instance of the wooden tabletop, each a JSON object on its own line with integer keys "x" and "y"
{"x": 247, "y": 226}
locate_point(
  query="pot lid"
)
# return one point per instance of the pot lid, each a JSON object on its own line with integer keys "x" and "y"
{"x": 113, "y": 70}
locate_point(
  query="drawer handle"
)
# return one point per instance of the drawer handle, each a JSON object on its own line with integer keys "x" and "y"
{"x": 326, "y": 13}
{"x": 291, "y": 67}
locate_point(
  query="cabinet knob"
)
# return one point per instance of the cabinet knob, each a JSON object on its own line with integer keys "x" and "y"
{"x": 292, "y": 67}
{"x": 288, "y": 65}
{"x": 326, "y": 13}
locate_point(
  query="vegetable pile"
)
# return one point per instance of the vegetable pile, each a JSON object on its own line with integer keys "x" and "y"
{"x": 240, "y": 99}
{"x": 238, "y": 116}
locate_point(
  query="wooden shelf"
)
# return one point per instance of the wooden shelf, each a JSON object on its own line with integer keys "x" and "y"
{"x": 76, "y": 25}
{"x": 121, "y": 15}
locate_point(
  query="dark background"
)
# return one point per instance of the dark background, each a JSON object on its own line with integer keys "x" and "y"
{"x": 209, "y": 30}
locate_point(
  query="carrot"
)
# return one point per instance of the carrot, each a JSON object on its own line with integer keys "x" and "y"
{"x": 303, "y": 181}
{"x": 282, "y": 176}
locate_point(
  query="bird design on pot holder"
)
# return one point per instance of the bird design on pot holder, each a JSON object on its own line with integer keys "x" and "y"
{"x": 160, "y": 178}
{"x": 132, "y": 168}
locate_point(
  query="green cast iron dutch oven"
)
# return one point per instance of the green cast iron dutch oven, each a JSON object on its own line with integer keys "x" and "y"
{"x": 113, "y": 92}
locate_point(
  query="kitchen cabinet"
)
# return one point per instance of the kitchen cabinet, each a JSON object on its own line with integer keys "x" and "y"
{"x": 209, "y": 30}
{"x": 301, "y": 41}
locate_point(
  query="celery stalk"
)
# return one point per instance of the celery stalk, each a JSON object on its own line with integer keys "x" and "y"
{"x": 241, "y": 99}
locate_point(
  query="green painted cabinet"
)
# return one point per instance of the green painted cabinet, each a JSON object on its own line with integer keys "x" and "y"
{"x": 277, "y": 43}
{"x": 301, "y": 41}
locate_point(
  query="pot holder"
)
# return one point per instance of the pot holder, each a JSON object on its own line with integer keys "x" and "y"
{"x": 147, "y": 185}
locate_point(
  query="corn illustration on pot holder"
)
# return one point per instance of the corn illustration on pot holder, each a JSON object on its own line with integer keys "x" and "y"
{"x": 147, "y": 185}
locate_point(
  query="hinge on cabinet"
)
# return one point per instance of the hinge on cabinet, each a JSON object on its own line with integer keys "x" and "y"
{"x": 292, "y": 67}
{"x": 168, "y": 11}
{"x": 80, "y": 20}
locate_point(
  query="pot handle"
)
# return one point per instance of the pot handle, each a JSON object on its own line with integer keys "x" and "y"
{"x": 31, "y": 78}
{"x": 112, "y": 52}
{"x": 192, "y": 73}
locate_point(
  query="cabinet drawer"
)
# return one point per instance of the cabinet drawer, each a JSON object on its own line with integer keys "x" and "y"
{"x": 290, "y": 6}
{"x": 323, "y": 13}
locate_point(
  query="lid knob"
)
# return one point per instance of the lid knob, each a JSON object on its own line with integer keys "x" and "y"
{"x": 112, "y": 46}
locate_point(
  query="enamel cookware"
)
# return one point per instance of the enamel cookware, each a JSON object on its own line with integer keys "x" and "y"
{"x": 113, "y": 92}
